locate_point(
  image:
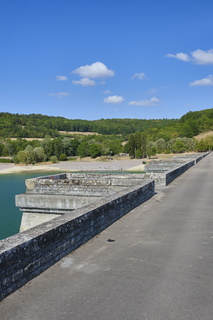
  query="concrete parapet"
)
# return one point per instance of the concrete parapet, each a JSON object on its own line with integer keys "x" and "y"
{"x": 164, "y": 172}
{"x": 47, "y": 197}
{"x": 27, "y": 254}
{"x": 173, "y": 174}
{"x": 39, "y": 208}
{"x": 82, "y": 184}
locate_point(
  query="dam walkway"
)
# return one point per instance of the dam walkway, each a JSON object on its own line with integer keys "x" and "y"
{"x": 156, "y": 263}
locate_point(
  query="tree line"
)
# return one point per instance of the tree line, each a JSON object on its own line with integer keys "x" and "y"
{"x": 39, "y": 126}
{"x": 138, "y": 137}
{"x": 138, "y": 145}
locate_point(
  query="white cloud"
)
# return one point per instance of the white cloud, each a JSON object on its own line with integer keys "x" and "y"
{"x": 180, "y": 56}
{"x": 61, "y": 78}
{"x": 151, "y": 102}
{"x": 202, "y": 57}
{"x": 85, "y": 82}
{"x": 114, "y": 99}
{"x": 203, "y": 82}
{"x": 138, "y": 75}
{"x": 197, "y": 56}
{"x": 59, "y": 94}
{"x": 95, "y": 70}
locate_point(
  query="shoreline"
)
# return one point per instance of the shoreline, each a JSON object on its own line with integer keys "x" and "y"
{"x": 85, "y": 164}
{"x": 115, "y": 165}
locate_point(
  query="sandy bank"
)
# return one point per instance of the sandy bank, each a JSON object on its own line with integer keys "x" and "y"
{"x": 85, "y": 165}
{"x": 115, "y": 165}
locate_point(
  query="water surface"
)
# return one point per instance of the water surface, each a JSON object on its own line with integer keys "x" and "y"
{"x": 10, "y": 185}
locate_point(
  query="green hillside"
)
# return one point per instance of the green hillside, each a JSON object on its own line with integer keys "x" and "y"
{"x": 138, "y": 137}
{"x": 38, "y": 126}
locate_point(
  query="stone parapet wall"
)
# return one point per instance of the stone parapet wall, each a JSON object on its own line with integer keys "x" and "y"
{"x": 82, "y": 184}
{"x": 56, "y": 194}
{"x": 166, "y": 177}
{"x": 26, "y": 255}
{"x": 164, "y": 172}
{"x": 173, "y": 174}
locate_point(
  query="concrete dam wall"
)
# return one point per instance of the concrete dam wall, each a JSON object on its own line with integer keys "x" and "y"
{"x": 82, "y": 206}
{"x": 27, "y": 254}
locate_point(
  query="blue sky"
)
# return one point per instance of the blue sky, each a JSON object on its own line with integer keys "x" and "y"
{"x": 106, "y": 59}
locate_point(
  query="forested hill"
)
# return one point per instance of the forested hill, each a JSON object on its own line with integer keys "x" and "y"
{"x": 38, "y": 126}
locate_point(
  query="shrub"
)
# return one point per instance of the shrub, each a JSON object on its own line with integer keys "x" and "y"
{"x": 63, "y": 157}
{"x": 16, "y": 159}
{"x": 53, "y": 159}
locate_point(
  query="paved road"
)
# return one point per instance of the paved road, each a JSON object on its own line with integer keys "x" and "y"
{"x": 156, "y": 263}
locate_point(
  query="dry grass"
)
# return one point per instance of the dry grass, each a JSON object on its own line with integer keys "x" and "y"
{"x": 79, "y": 133}
{"x": 203, "y": 135}
{"x": 28, "y": 139}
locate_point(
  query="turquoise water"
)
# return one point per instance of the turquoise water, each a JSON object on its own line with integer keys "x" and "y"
{"x": 10, "y": 216}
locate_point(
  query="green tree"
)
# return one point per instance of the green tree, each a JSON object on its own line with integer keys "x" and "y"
{"x": 138, "y": 154}
{"x": 22, "y": 156}
{"x": 94, "y": 150}
{"x": 39, "y": 155}
{"x": 151, "y": 149}
{"x": 178, "y": 146}
{"x": 1, "y": 149}
{"x": 161, "y": 145}
{"x": 83, "y": 149}
{"x": 30, "y": 154}
{"x": 132, "y": 145}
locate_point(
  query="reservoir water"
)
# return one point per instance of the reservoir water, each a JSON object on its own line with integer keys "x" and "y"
{"x": 10, "y": 185}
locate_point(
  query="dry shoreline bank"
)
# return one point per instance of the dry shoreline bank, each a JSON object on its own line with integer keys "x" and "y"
{"x": 122, "y": 163}
{"x": 116, "y": 165}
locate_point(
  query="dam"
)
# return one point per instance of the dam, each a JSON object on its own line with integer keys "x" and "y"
{"x": 76, "y": 208}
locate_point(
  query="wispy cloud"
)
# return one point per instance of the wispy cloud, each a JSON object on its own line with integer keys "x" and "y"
{"x": 59, "y": 95}
{"x": 180, "y": 56}
{"x": 208, "y": 81}
{"x": 138, "y": 76}
{"x": 197, "y": 56}
{"x": 94, "y": 70}
{"x": 61, "y": 78}
{"x": 85, "y": 82}
{"x": 114, "y": 99}
{"x": 151, "y": 102}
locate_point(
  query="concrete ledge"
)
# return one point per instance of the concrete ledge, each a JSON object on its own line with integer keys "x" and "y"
{"x": 82, "y": 184}
{"x": 52, "y": 202}
{"x": 26, "y": 255}
{"x": 164, "y": 172}
{"x": 173, "y": 174}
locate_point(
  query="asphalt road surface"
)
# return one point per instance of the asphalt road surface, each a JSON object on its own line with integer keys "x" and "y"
{"x": 156, "y": 263}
